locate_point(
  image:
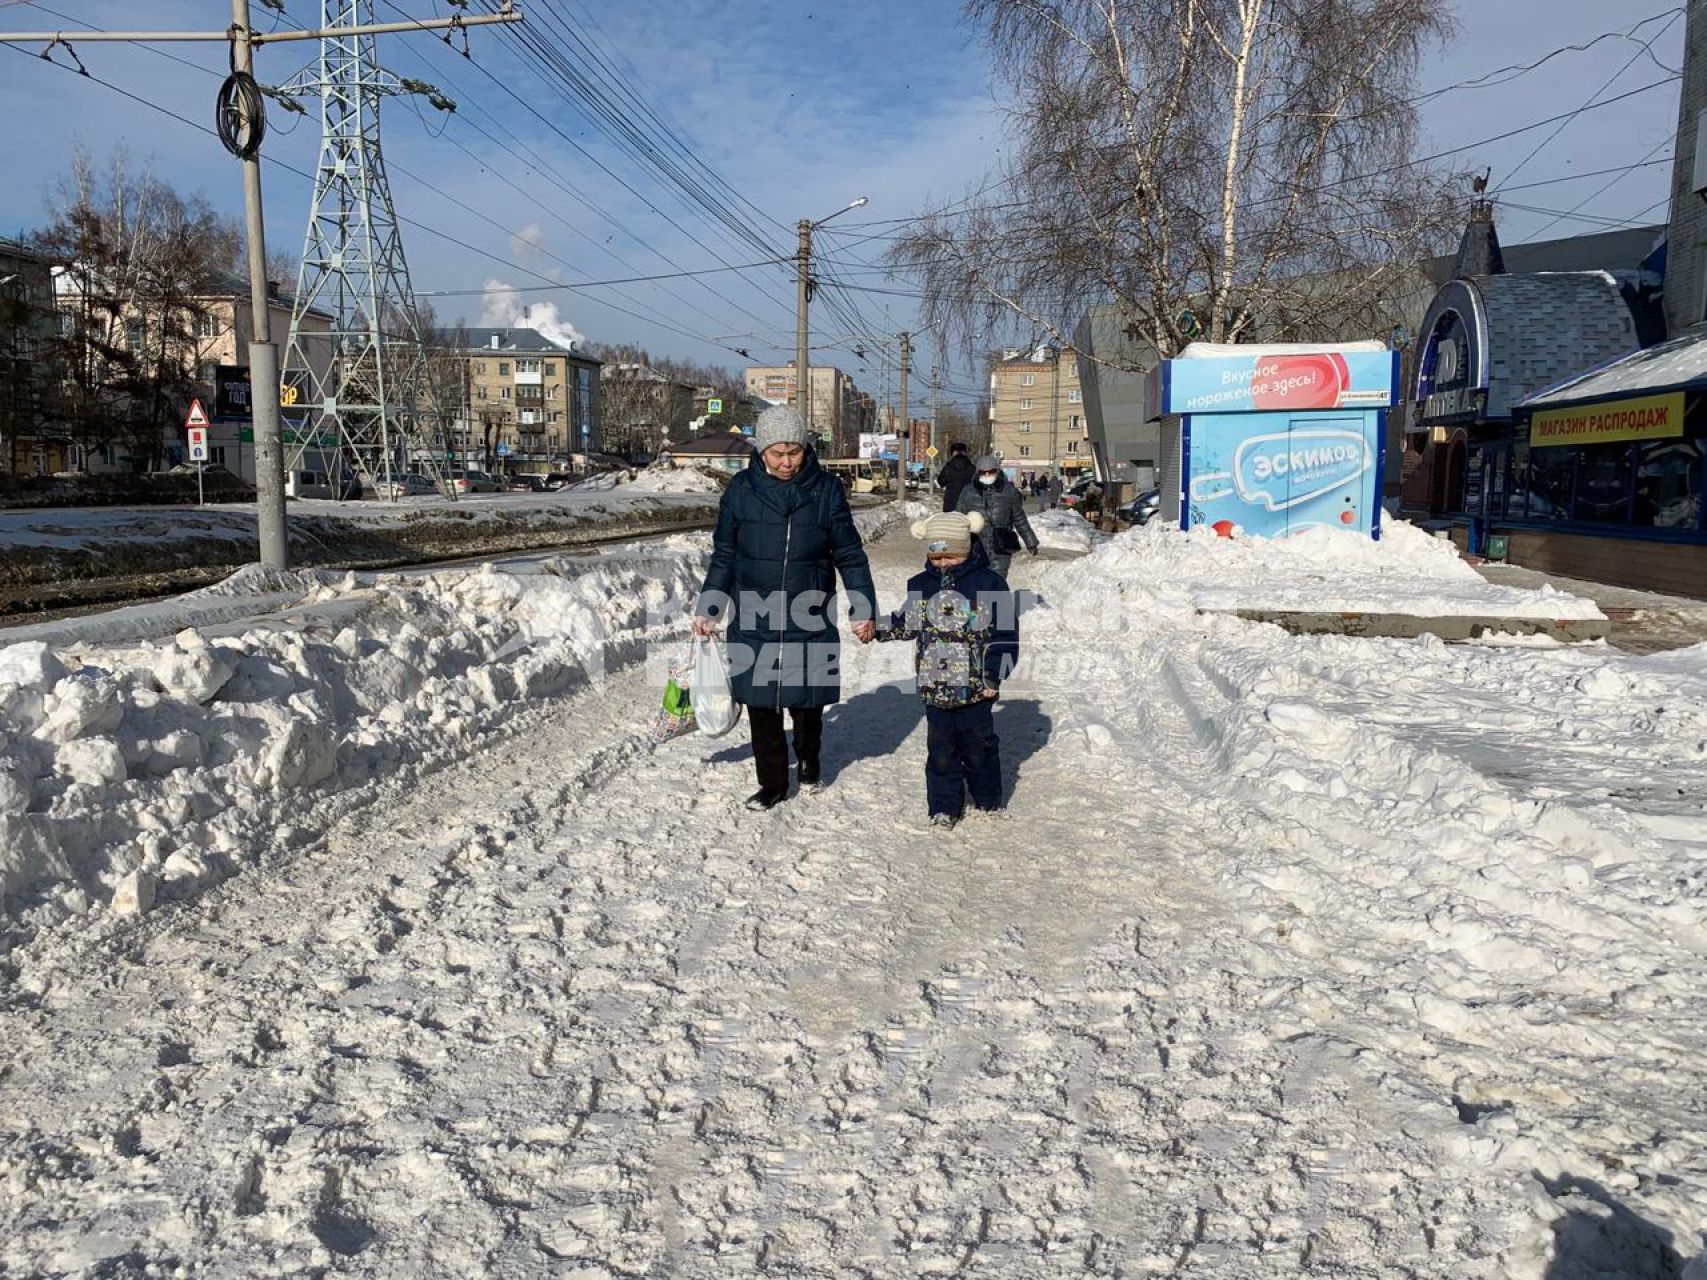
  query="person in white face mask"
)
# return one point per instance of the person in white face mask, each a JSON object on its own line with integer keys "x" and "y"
{"x": 1002, "y": 505}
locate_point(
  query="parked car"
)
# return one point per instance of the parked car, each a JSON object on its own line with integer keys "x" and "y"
{"x": 1143, "y": 508}
{"x": 471, "y": 482}
{"x": 406, "y": 486}
{"x": 1079, "y": 492}
{"x": 558, "y": 480}
{"x": 527, "y": 484}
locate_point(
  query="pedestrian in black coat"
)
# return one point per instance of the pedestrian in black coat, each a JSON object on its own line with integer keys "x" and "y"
{"x": 955, "y": 476}
{"x": 784, "y": 533}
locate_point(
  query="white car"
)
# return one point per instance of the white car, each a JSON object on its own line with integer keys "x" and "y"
{"x": 472, "y": 482}
{"x": 406, "y": 486}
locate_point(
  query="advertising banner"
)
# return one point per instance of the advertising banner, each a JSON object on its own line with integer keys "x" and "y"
{"x": 1609, "y": 422}
{"x": 1274, "y": 474}
{"x": 1279, "y": 382}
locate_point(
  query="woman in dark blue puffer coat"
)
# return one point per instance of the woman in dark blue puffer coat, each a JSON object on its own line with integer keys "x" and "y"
{"x": 784, "y": 532}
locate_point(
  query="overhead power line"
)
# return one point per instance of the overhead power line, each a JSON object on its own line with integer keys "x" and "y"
{"x": 416, "y": 224}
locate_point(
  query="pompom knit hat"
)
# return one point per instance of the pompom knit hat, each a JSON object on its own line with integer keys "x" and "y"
{"x": 949, "y": 533}
{"x": 779, "y": 424}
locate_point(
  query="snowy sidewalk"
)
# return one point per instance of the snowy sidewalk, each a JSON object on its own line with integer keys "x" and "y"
{"x": 1293, "y": 957}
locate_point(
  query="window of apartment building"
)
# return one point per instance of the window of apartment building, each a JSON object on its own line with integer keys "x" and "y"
{"x": 216, "y": 455}
{"x": 207, "y": 325}
{"x": 480, "y": 393}
{"x": 480, "y": 366}
{"x": 206, "y": 370}
{"x": 557, "y": 415}
{"x": 1025, "y": 451}
{"x": 1028, "y": 380}
{"x": 527, "y": 366}
{"x": 503, "y": 368}
{"x": 503, "y": 393}
{"x": 554, "y": 392}
{"x": 1074, "y": 395}
{"x": 1025, "y": 404}
{"x": 551, "y": 368}
{"x": 1025, "y": 428}
{"x": 1072, "y": 446}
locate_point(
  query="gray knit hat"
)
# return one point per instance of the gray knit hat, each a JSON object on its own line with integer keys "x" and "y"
{"x": 989, "y": 462}
{"x": 779, "y": 424}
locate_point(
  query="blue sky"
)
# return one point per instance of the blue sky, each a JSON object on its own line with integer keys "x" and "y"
{"x": 797, "y": 106}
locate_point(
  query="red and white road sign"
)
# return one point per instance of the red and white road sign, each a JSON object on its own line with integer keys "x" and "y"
{"x": 197, "y": 417}
{"x": 198, "y": 444}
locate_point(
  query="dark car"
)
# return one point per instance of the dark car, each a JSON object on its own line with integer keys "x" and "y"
{"x": 527, "y": 484}
{"x": 558, "y": 480}
{"x": 1143, "y": 508}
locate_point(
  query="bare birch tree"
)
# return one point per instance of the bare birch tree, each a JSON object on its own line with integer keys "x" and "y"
{"x": 1224, "y": 169}
{"x": 143, "y": 267}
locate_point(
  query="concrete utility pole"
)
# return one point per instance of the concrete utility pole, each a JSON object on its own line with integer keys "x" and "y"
{"x": 803, "y": 300}
{"x": 930, "y": 458}
{"x": 1055, "y": 418}
{"x": 242, "y": 126}
{"x": 903, "y": 439}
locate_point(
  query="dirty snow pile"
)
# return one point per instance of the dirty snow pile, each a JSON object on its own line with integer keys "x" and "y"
{"x": 1319, "y": 570}
{"x": 656, "y": 479}
{"x": 1064, "y": 531}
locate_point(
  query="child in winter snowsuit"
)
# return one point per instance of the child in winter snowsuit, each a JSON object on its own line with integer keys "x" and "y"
{"x": 963, "y": 617}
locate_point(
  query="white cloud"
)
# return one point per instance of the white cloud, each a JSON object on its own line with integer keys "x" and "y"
{"x": 529, "y": 241}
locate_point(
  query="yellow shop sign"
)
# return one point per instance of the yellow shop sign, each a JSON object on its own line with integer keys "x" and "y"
{"x": 1610, "y": 421}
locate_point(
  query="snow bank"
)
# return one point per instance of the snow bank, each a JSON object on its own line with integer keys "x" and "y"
{"x": 142, "y": 771}
{"x": 1323, "y": 570}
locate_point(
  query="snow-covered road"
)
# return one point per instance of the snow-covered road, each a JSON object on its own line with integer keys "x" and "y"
{"x": 1292, "y": 957}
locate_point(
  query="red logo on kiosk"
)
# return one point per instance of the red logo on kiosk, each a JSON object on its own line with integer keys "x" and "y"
{"x": 1299, "y": 382}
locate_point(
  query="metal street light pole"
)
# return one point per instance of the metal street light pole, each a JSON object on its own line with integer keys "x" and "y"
{"x": 803, "y": 300}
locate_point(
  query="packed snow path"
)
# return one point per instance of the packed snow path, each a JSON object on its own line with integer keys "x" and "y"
{"x": 1248, "y": 983}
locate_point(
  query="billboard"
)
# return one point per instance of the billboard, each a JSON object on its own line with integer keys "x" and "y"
{"x": 1279, "y": 381}
{"x": 878, "y": 444}
{"x": 1274, "y": 474}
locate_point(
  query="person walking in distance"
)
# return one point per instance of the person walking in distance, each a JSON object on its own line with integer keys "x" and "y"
{"x": 965, "y": 623}
{"x": 784, "y": 534}
{"x": 955, "y": 475}
{"x": 1002, "y": 504}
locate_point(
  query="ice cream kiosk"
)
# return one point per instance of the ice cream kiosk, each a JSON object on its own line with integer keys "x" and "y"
{"x": 1272, "y": 440}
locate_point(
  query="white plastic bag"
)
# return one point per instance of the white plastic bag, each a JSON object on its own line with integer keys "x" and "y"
{"x": 714, "y": 706}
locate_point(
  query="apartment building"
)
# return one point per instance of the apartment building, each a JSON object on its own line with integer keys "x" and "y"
{"x": 840, "y": 411}
{"x": 530, "y": 403}
{"x": 28, "y": 446}
{"x": 209, "y": 342}
{"x": 1037, "y": 411}
{"x": 641, "y": 407}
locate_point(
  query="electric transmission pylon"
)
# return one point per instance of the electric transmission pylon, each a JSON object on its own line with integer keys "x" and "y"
{"x": 366, "y": 401}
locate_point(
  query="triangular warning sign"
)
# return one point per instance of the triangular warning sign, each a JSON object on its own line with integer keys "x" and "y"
{"x": 197, "y": 417}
